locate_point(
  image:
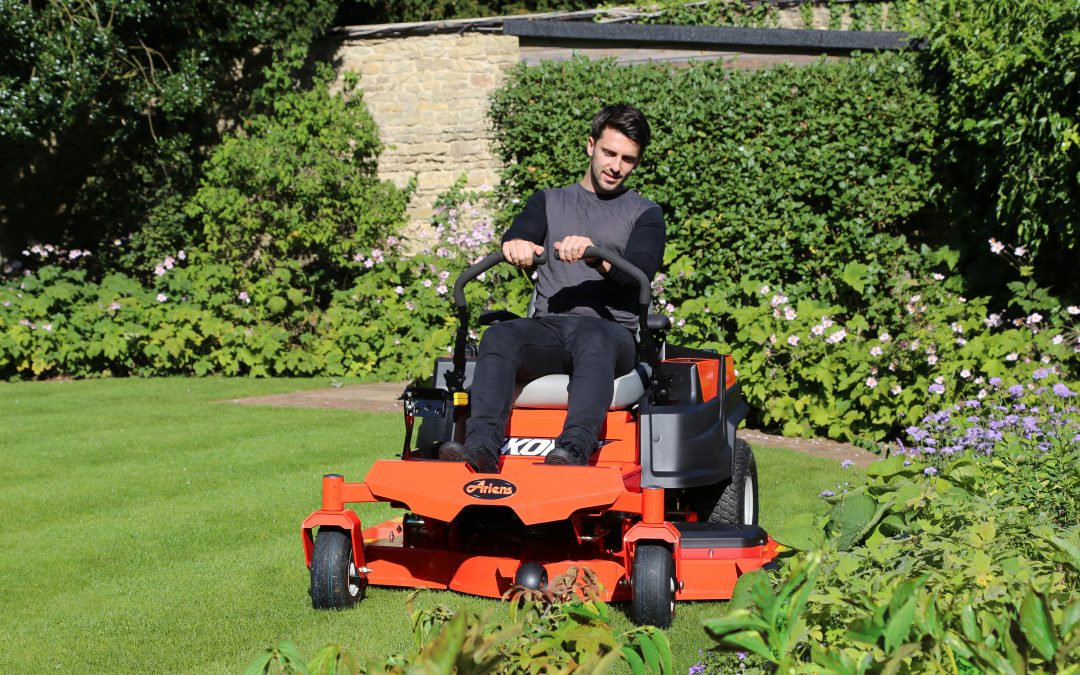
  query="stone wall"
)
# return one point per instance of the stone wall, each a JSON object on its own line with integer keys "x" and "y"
{"x": 429, "y": 96}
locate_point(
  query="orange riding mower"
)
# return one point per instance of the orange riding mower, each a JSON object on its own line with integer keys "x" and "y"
{"x": 665, "y": 510}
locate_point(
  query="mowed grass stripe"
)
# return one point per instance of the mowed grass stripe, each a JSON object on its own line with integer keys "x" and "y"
{"x": 147, "y": 527}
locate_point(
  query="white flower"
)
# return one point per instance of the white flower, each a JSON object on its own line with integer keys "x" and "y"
{"x": 961, "y": 341}
{"x": 778, "y": 300}
{"x": 938, "y": 277}
{"x": 896, "y": 389}
{"x": 764, "y": 290}
{"x": 871, "y": 382}
{"x": 1058, "y": 339}
{"x": 981, "y": 394}
{"x": 1034, "y": 317}
{"x": 772, "y": 339}
{"x": 965, "y": 373}
{"x": 161, "y": 297}
{"x": 884, "y": 337}
{"x": 159, "y": 270}
{"x": 1011, "y": 356}
{"x": 181, "y": 254}
{"x": 836, "y": 337}
{"x": 875, "y": 351}
{"x": 996, "y": 246}
{"x": 1073, "y": 309}
{"x": 932, "y": 359}
{"x": 790, "y": 314}
{"x": 793, "y": 340}
{"x": 1019, "y": 251}
{"x": 992, "y": 321}
{"x": 817, "y": 330}
{"x": 957, "y": 327}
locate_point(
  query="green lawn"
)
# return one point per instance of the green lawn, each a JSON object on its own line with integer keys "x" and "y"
{"x": 147, "y": 527}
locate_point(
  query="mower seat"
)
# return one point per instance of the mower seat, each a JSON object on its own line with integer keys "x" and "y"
{"x": 553, "y": 391}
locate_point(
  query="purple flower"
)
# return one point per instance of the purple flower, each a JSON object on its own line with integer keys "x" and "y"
{"x": 846, "y": 463}
{"x": 1041, "y": 373}
{"x": 1016, "y": 390}
{"x": 930, "y": 471}
{"x": 937, "y": 388}
{"x": 827, "y": 493}
{"x": 1063, "y": 391}
{"x": 696, "y": 669}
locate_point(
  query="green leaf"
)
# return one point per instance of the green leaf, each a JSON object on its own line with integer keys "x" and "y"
{"x": 854, "y": 275}
{"x": 649, "y": 651}
{"x": 742, "y": 595}
{"x": 630, "y": 655}
{"x": 1037, "y": 625}
{"x": 802, "y": 533}
{"x": 899, "y": 625}
{"x": 750, "y": 641}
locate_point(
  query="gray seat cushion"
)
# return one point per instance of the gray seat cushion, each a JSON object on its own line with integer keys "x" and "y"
{"x": 552, "y": 391}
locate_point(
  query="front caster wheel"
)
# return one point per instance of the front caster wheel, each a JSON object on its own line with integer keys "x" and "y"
{"x": 335, "y": 581}
{"x": 653, "y": 582}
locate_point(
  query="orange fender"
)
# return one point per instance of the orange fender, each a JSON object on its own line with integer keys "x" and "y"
{"x": 346, "y": 520}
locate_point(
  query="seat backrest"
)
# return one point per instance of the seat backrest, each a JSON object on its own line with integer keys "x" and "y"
{"x": 553, "y": 391}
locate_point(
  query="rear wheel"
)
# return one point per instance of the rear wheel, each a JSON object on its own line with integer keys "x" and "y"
{"x": 335, "y": 581}
{"x": 733, "y": 502}
{"x": 653, "y": 583}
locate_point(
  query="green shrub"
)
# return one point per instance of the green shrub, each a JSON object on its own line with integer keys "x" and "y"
{"x": 1005, "y": 74}
{"x": 298, "y": 184}
{"x": 961, "y": 551}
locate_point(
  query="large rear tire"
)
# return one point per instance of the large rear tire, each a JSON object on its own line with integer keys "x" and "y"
{"x": 653, "y": 584}
{"x": 733, "y": 502}
{"x": 335, "y": 581}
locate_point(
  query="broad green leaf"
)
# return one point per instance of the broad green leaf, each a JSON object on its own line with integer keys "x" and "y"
{"x": 649, "y": 651}
{"x": 1037, "y": 625}
{"x": 854, "y": 275}
{"x": 630, "y": 655}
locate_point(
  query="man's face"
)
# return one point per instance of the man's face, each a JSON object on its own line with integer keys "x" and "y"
{"x": 612, "y": 158}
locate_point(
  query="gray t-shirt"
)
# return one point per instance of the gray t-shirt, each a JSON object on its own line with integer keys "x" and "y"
{"x": 626, "y": 223}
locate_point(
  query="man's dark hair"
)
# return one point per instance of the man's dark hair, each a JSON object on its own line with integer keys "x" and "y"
{"x": 627, "y": 120}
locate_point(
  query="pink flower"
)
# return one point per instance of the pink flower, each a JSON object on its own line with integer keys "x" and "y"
{"x": 369, "y": 263}
{"x": 932, "y": 359}
{"x": 1019, "y": 251}
{"x": 996, "y": 246}
{"x": 114, "y": 306}
{"x": 1034, "y": 317}
{"x": 170, "y": 262}
{"x": 875, "y": 351}
{"x": 818, "y": 330}
{"x": 871, "y": 382}
{"x": 243, "y": 297}
{"x": 836, "y": 337}
{"x": 778, "y": 300}
{"x": 793, "y": 340}
{"x": 159, "y": 270}
{"x": 764, "y": 289}
{"x": 428, "y": 283}
{"x": 790, "y": 314}
{"x": 441, "y": 289}
{"x": 884, "y": 337}
{"x": 161, "y": 297}
{"x": 399, "y": 290}
{"x": 772, "y": 339}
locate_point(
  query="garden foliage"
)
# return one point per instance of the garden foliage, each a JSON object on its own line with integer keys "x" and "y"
{"x": 107, "y": 110}
{"x": 565, "y": 628}
{"x": 960, "y": 552}
{"x": 793, "y": 199}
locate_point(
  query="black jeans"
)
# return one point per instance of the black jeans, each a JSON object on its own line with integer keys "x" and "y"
{"x": 592, "y": 351}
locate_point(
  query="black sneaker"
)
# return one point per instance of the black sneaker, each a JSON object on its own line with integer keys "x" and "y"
{"x": 568, "y": 455}
{"x": 479, "y": 459}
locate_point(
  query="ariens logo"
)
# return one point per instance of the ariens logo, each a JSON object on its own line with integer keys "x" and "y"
{"x": 490, "y": 488}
